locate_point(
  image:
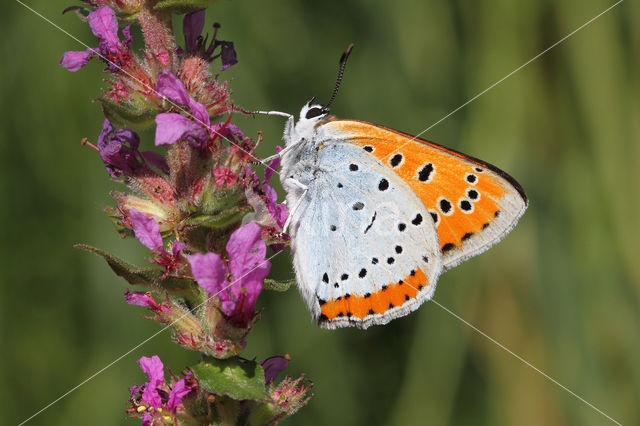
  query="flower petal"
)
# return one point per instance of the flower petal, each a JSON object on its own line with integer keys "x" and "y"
{"x": 104, "y": 24}
{"x": 272, "y": 366}
{"x": 228, "y": 55}
{"x": 209, "y": 272}
{"x": 170, "y": 127}
{"x": 146, "y": 230}
{"x": 179, "y": 390}
{"x": 155, "y": 160}
{"x": 192, "y": 27}
{"x": 154, "y": 370}
{"x": 272, "y": 167}
{"x": 171, "y": 87}
{"x": 139, "y": 298}
{"x": 73, "y": 61}
{"x": 248, "y": 268}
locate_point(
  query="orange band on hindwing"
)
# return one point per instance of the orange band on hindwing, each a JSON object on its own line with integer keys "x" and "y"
{"x": 378, "y": 302}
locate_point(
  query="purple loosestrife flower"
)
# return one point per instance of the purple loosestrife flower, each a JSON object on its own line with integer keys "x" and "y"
{"x": 172, "y": 126}
{"x": 154, "y": 370}
{"x": 119, "y": 151}
{"x": 155, "y": 398}
{"x": 142, "y": 299}
{"x": 273, "y": 366}
{"x": 115, "y": 53}
{"x": 247, "y": 268}
{"x": 279, "y": 212}
{"x": 193, "y": 25}
{"x": 147, "y": 231}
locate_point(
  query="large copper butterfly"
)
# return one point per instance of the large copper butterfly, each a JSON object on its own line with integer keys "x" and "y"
{"x": 377, "y": 215}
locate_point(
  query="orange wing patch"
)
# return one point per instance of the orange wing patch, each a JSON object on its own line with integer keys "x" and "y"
{"x": 464, "y": 195}
{"x": 379, "y": 302}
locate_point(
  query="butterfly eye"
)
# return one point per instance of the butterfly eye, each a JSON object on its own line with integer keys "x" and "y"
{"x": 314, "y": 112}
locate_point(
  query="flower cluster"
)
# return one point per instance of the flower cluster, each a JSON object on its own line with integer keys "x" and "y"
{"x": 194, "y": 202}
{"x": 157, "y": 401}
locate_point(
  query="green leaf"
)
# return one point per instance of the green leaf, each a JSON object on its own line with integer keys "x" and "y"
{"x": 184, "y": 6}
{"x": 274, "y": 285}
{"x": 235, "y": 377}
{"x": 146, "y": 276}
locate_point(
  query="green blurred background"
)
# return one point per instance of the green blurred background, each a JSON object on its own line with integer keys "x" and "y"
{"x": 562, "y": 291}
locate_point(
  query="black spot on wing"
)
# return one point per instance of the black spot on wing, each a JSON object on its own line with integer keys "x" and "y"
{"x": 424, "y": 174}
{"x": 395, "y": 160}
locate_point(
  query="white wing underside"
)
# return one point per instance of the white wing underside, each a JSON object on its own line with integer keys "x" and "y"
{"x": 351, "y": 236}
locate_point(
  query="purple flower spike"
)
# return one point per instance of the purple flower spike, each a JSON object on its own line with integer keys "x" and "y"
{"x": 73, "y": 61}
{"x": 209, "y": 272}
{"x": 146, "y": 230}
{"x": 272, "y": 366}
{"x": 192, "y": 27}
{"x": 154, "y": 370}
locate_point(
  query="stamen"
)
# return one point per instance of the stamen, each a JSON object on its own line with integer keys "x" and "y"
{"x": 85, "y": 141}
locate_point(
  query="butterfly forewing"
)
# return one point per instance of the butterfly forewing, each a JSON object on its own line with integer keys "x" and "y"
{"x": 365, "y": 248}
{"x": 472, "y": 203}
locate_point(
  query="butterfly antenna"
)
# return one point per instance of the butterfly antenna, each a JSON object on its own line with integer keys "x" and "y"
{"x": 343, "y": 64}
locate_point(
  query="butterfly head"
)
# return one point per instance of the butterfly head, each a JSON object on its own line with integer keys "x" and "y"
{"x": 311, "y": 114}
{"x": 313, "y": 111}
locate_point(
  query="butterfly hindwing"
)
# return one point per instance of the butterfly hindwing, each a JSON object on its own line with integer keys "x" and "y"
{"x": 472, "y": 203}
{"x": 365, "y": 248}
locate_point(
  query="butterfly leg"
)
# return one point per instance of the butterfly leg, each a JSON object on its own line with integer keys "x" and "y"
{"x": 292, "y": 212}
{"x": 282, "y": 114}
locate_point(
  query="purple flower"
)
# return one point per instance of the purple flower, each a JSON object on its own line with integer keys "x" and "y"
{"x": 247, "y": 267}
{"x": 154, "y": 370}
{"x": 147, "y": 231}
{"x": 272, "y": 366}
{"x": 227, "y": 55}
{"x": 209, "y": 271}
{"x": 172, "y": 126}
{"x": 141, "y": 299}
{"x": 156, "y": 392}
{"x": 119, "y": 151}
{"x": 170, "y": 86}
{"x": 115, "y": 53}
{"x": 279, "y": 212}
{"x": 179, "y": 390}
{"x": 192, "y": 27}
{"x": 73, "y": 61}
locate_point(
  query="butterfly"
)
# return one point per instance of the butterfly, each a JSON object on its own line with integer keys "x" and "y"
{"x": 377, "y": 215}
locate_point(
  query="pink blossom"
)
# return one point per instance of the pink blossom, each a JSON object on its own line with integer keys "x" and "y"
{"x": 224, "y": 177}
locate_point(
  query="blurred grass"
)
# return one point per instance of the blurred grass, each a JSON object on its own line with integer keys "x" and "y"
{"x": 562, "y": 290}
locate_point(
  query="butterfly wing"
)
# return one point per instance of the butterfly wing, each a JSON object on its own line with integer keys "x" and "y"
{"x": 365, "y": 250}
{"x": 473, "y": 204}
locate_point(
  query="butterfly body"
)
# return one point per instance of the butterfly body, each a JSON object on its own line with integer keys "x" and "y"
{"x": 376, "y": 215}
